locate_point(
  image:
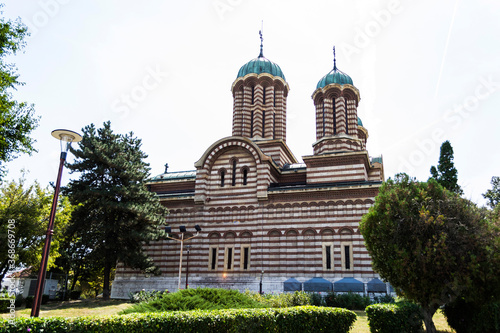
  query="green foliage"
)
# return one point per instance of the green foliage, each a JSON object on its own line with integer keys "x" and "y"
{"x": 19, "y": 301}
{"x": 280, "y": 300}
{"x": 349, "y": 301}
{"x": 17, "y": 120}
{"x": 116, "y": 214}
{"x": 384, "y": 299}
{"x": 24, "y": 212}
{"x": 446, "y": 174}
{"x": 289, "y": 320}
{"x": 401, "y": 317}
{"x": 429, "y": 243}
{"x": 146, "y": 296}
{"x": 75, "y": 294}
{"x": 317, "y": 299}
{"x": 5, "y": 303}
{"x": 493, "y": 195}
{"x": 469, "y": 317}
{"x": 196, "y": 299}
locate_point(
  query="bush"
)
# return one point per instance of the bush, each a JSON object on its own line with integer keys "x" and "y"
{"x": 394, "y": 318}
{"x": 145, "y": 296}
{"x": 5, "y": 304}
{"x": 297, "y": 319}
{"x": 465, "y": 317}
{"x": 19, "y": 301}
{"x": 75, "y": 294}
{"x": 317, "y": 299}
{"x": 281, "y": 300}
{"x": 349, "y": 301}
{"x": 384, "y": 299}
{"x": 29, "y": 301}
{"x": 196, "y": 299}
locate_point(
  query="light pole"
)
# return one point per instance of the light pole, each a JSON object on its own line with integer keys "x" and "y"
{"x": 182, "y": 229}
{"x": 66, "y": 137}
{"x": 188, "y": 247}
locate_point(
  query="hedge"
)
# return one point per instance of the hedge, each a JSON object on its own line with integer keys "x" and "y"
{"x": 401, "y": 317}
{"x": 297, "y": 319}
{"x": 5, "y": 303}
{"x": 466, "y": 317}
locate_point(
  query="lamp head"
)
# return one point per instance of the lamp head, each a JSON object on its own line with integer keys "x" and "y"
{"x": 66, "y": 137}
{"x": 168, "y": 230}
{"x": 182, "y": 228}
{"x": 198, "y": 228}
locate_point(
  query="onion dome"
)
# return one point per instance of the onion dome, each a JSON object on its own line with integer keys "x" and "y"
{"x": 334, "y": 76}
{"x": 261, "y": 65}
{"x": 360, "y": 123}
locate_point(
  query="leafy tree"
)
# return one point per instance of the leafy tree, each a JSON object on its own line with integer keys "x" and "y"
{"x": 429, "y": 243}
{"x": 25, "y": 210}
{"x": 446, "y": 174}
{"x": 115, "y": 215}
{"x": 17, "y": 120}
{"x": 493, "y": 195}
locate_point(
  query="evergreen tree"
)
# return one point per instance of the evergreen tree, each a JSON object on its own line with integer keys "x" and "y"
{"x": 446, "y": 174}
{"x": 17, "y": 120}
{"x": 116, "y": 215}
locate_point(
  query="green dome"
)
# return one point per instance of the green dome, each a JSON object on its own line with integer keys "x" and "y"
{"x": 261, "y": 65}
{"x": 335, "y": 76}
{"x": 360, "y": 123}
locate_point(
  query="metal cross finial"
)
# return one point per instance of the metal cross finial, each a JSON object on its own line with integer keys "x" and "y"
{"x": 334, "y": 59}
{"x": 261, "y": 41}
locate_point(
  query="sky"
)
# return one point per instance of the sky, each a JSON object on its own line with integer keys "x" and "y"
{"x": 427, "y": 71}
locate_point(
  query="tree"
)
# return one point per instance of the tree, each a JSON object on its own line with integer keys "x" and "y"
{"x": 24, "y": 214}
{"x": 493, "y": 195}
{"x": 115, "y": 215}
{"x": 446, "y": 174}
{"x": 17, "y": 120}
{"x": 429, "y": 243}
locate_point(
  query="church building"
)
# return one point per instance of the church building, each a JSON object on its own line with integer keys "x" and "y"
{"x": 266, "y": 217}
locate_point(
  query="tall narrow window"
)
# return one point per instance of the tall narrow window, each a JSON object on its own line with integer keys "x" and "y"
{"x": 328, "y": 256}
{"x": 334, "y": 117}
{"x": 274, "y": 98}
{"x": 264, "y": 123}
{"x": 245, "y": 258}
{"x": 253, "y": 94}
{"x": 222, "y": 175}
{"x": 251, "y": 124}
{"x": 274, "y": 125}
{"x": 324, "y": 120}
{"x": 212, "y": 258}
{"x": 245, "y": 176}
{"x": 346, "y": 118}
{"x": 264, "y": 95}
{"x": 233, "y": 183}
{"x": 228, "y": 258}
{"x": 347, "y": 256}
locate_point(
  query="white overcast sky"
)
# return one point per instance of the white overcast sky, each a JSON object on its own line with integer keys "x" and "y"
{"x": 427, "y": 71}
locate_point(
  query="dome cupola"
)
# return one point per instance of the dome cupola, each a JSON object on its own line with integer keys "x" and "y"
{"x": 334, "y": 76}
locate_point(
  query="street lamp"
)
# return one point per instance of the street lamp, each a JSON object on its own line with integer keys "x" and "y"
{"x": 188, "y": 247}
{"x": 66, "y": 137}
{"x": 182, "y": 229}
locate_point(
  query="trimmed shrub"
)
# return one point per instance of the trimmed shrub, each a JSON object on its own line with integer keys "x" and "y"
{"x": 401, "y": 317}
{"x": 196, "y": 299}
{"x": 75, "y": 294}
{"x": 317, "y": 299}
{"x": 290, "y": 320}
{"x": 349, "y": 301}
{"x": 145, "y": 296}
{"x": 281, "y": 300}
{"x": 465, "y": 317}
{"x": 384, "y": 299}
{"x": 29, "y": 301}
{"x": 5, "y": 304}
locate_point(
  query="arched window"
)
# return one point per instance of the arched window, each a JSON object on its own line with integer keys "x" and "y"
{"x": 245, "y": 176}
{"x": 346, "y": 118}
{"x": 233, "y": 183}
{"x": 334, "y": 117}
{"x": 222, "y": 176}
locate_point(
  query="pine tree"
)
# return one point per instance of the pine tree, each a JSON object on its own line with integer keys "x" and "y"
{"x": 446, "y": 174}
{"x": 116, "y": 214}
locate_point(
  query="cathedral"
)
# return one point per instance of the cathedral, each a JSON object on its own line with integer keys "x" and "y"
{"x": 262, "y": 217}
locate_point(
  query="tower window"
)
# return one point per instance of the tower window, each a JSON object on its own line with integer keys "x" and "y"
{"x": 233, "y": 183}
{"x": 328, "y": 257}
{"x": 274, "y": 125}
{"x": 263, "y": 123}
{"x": 253, "y": 94}
{"x": 324, "y": 120}
{"x": 264, "y": 95}
{"x": 222, "y": 176}
{"x": 245, "y": 176}
{"x": 274, "y": 98}
{"x": 251, "y": 125}
{"x": 228, "y": 260}
{"x": 334, "y": 117}
{"x": 346, "y": 118}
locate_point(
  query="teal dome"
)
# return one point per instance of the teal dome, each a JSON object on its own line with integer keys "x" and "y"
{"x": 335, "y": 76}
{"x": 360, "y": 123}
{"x": 261, "y": 65}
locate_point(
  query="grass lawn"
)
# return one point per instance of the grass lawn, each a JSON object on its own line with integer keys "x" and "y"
{"x": 99, "y": 307}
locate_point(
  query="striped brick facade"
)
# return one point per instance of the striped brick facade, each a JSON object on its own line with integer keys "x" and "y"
{"x": 265, "y": 217}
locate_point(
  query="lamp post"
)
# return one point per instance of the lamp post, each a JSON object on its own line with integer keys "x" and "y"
{"x": 182, "y": 229}
{"x": 66, "y": 137}
{"x": 188, "y": 247}
{"x": 260, "y": 283}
